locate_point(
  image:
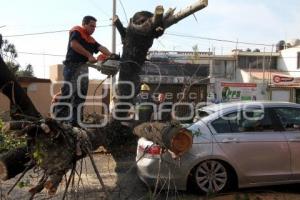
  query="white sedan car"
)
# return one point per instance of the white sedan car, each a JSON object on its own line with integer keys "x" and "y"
{"x": 241, "y": 144}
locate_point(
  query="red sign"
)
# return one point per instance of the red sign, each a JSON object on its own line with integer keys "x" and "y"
{"x": 282, "y": 79}
{"x": 228, "y": 84}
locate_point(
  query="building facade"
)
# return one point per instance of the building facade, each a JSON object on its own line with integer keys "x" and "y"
{"x": 41, "y": 92}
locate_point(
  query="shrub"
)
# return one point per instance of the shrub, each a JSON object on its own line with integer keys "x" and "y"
{"x": 9, "y": 141}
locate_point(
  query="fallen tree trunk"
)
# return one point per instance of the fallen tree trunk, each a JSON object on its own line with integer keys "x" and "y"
{"x": 171, "y": 136}
{"x": 13, "y": 163}
{"x": 17, "y": 96}
{"x": 51, "y": 146}
{"x": 56, "y": 147}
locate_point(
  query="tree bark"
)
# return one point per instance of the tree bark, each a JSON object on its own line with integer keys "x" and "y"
{"x": 170, "y": 18}
{"x": 13, "y": 162}
{"x": 170, "y": 136}
{"x": 17, "y": 96}
{"x": 137, "y": 38}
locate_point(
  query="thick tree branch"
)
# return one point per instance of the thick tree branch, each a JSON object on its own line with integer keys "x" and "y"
{"x": 12, "y": 89}
{"x": 171, "y": 136}
{"x": 158, "y": 16}
{"x": 122, "y": 31}
{"x": 13, "y": 162}
{"x": 170, "y": 19}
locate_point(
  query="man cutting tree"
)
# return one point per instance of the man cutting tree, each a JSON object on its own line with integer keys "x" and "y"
{"x": 81, "y": 48}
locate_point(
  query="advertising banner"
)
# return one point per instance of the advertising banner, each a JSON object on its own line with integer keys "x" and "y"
{"x": 238, "y": 91}
{"x": 285, "y": 80}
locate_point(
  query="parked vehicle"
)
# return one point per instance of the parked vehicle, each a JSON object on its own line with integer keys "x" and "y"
{"x": 241, "y": 144}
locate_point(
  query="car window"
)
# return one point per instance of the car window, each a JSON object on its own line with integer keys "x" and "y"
{"x": 227, "y": 123}
{"x": 254, "y": 120}
{"x": 289, "y": 118}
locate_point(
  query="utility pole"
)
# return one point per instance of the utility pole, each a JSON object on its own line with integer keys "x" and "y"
{"x": 264, "y": 66}
{"x": 113, "y": 48}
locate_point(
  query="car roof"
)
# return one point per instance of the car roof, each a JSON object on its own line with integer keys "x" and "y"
{"x": 215, "y": 109}
{"x": 237, "y": 104}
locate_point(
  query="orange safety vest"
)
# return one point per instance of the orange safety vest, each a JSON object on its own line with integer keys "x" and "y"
{"x": 88, "y": 38}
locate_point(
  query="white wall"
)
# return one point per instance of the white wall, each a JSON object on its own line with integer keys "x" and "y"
{"x": 242, "y": 76}
{"x": 287, "y": 61}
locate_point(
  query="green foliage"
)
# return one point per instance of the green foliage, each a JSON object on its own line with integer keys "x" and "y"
{"x": 28, "y": 72}
{"x": 24, "y": 183}
{"x": 8, "y": 142}
{"x": 9, "y": 53}
{"x": 13, "y": 67}
{"x": 38, "y": 154}
{"x": 197, "y": 132}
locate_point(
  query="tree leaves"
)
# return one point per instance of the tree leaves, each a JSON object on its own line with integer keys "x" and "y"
{"x": 9, "y": 53}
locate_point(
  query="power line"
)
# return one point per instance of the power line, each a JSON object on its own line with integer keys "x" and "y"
{"x": 219, "y": 40}
{"x": 46, "y": 32}
{"x": 172, "y": 34}
{"x": 98, "y": 7}
{"x": 172, "y": 58}
{"x": 124, "y": 11}
{"x": 40, "y": 54}
{"x": 39, "y": 33}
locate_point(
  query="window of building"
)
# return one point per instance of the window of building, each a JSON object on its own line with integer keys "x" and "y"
{"x": 257, "y": 62}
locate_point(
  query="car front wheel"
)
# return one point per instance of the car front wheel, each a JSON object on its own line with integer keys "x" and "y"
{"x": 211, "y": 176}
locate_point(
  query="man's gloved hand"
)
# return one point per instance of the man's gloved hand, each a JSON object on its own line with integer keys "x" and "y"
{"x": 114, "y": 56}
{"x": 92, "y": 59}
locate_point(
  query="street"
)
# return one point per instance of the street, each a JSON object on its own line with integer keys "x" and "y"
{"x": 124, "y": 184}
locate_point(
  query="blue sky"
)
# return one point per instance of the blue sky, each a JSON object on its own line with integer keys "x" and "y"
{"x": 257, "y": 21}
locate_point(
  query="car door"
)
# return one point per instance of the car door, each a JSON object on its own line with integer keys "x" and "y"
{"x": 250, "y": 139}
{"x": 290, "y": 119}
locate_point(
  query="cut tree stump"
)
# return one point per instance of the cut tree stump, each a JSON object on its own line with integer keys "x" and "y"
{"x": 170, "y": 136}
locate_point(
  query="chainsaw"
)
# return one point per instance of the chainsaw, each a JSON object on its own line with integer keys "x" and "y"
{"x": 109, "y": 66}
